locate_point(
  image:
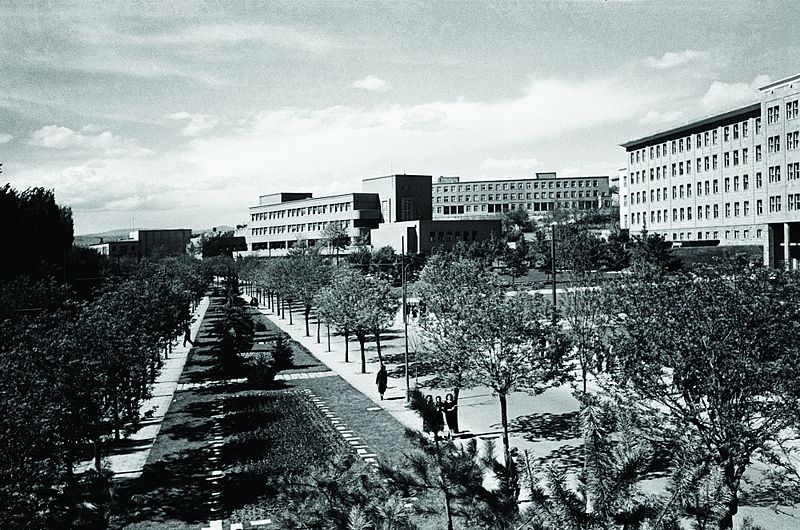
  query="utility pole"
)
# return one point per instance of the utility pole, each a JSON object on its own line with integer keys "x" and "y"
{"x": 405, "y": 311}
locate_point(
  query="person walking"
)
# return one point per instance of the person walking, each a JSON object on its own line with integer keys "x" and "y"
{"x": 451, "y": 414}
{"x": 438, "y": 416}
{"x": 382, "y": 380}
{"x": 187, "y": 335}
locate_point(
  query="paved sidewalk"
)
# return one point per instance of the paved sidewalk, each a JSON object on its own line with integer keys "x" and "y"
{"x": 129, "y": 457}
{"x": 545, "y": 424}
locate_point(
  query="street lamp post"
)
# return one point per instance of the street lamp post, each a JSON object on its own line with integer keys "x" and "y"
{"x": 553, "y": 270}
{"x": 405, "y": 311}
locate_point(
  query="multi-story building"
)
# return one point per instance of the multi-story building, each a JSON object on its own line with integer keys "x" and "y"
{"x": 730, "y": 179}
{"x": 282, "y": 219}
{"x": 487, "y": 199}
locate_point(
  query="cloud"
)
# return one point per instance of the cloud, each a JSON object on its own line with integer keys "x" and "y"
{"x": 88, "y": 138}
{"x": 673, "y": 59}
{"x": 371, "y": 83}
{"x": 509, "y": 163}
{"x": 198, "y": 123}
{"x": 655, "y": 117}
{"x": 353, "y": 142}
{"x": 5, "y": 138}
{"x": 721, "y": 96}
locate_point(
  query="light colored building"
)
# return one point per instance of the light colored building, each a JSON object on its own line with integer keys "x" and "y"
{"x": 125, "y": 248}
{"x": 730, "y": 179}
{"x": 282, "y": 219}
{"x": 488, "y": 199}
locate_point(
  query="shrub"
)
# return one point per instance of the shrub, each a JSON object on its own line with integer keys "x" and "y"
{"x": 261, "y": 370}
{"x": 282, "y": 352}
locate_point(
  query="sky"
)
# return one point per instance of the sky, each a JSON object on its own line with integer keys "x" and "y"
{"x": 160, "y": 114}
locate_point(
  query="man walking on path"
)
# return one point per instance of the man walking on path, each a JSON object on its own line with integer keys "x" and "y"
{"x": 382, "y": 379}
{"x": 187, "y": 335}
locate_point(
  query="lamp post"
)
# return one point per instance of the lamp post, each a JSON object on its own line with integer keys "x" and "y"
{"x": 553, "y": 270}
{"x": 405, "y": 311}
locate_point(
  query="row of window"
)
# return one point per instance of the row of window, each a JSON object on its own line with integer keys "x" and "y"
{"x": 506, "y": 186}
{"x": 300, "y": 227}
{"x": 774, "y": 112}
{"x": 299, "y": 212}
{"x": 447, "y": 237}
{"x": 704, "y": 139}
{"x": 709, "y": 186}
{"x": 580, "y": 194}
{"x": 533, "y": 207}
{"x": 701, "y": 164}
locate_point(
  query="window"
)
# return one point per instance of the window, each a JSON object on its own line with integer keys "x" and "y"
{"x": 727, "y": 184}
{"x": 736, "y": 158}
{"x": 775, "y": 204}
{"x": 745, "y": 182}
{"x": 774, "y": 144}
{"x": 716, "y": 211}
{"x": 707, "y": 188}
{"x": 746, "y": 206}
{"x": 714, "y": 162}
{"x": 791, "y": 110}
{"x": 744, "y": 155}
{"x": 727, "y": 209}
{"x": 792, "y": 140}
{"x": 726, "y": 133}
{"x": 726, "y": 157}
{"x": 758, "y": 125}
{"x": 689, "y": 213}
{"x": 674, "y": 214}
{"x": 774, "y": 174}
{"x": 714, "y": 135}
{"x": 674, "y": 192}
{"x": 735, "y": 131}
{"x": 758, "y": 153}
{"x": 793, "y": 171}
{"x": 706, "y": 165}
{"x": 759, "y": 180}
{"x": 698, "y": 141}
{"x": 699, "y": 212}
{"x": 759, "y": 207}
{"x": 773, "y": 114}
{"x": 698, "y": 165}
{"x": 680, "y": 191}
{"x": 705, "y": 138}
{"x": 744, "y": 129}
{"x": 736, "y": 209}
{"x": 716, "y": 186}
{"x": 708, "y": 211}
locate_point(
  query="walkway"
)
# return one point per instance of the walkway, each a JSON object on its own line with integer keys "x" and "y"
{"x": 127, "y": 458}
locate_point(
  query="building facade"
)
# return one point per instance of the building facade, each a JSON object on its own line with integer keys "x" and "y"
{"x": 730, "y": 179}
{"x": 282, "y": 219}
{"x": 422, "y": 236}
{"x": 147, "y": 244}
{"x": 487, "y": 199}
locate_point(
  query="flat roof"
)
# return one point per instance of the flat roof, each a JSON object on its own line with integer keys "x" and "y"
{"x": 524, "y": 178}
{"x": 780, "y": 82}
{"x": 396, "y": 175}
{"x": 293, "y": 204}
{"x": 691, "y": 127}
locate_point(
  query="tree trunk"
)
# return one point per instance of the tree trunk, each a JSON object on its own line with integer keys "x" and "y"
{"x": 504, "y": 420}
{"x": 115, "y": 413}
{"x": 98, "y": 460}
{"x": 308, "y": 312}
{"x": 289, "y": 303}
{"x": 584, "y": 375}
{"x": 362, "y": 341}
{"x": 346, "y": 346}
{"x": 378, "y": 345}
{"x": 732, "y": 506}
{"x": 448, "y": 512}
{"x": 328, "y": 326}
{"x": 318, "y": 326}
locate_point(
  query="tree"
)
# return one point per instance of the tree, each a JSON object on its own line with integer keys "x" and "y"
{"x": 582, "y": 310}
{"x": 651, "y": 252}
{"x": 337, "y": 303}
{"x": 513, "y": 348}
{"x": 715, "y": 355}
{"x": 451, "y": 287}
{"x": 518, "y": 259}
{"x": 307, "y": 274}
{"x": 335, "y": 238}
{"x": 515, "y": 222}
{"x": 381, "y": 307}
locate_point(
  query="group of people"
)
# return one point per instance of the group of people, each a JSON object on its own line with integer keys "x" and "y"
{"x": 438, "y": 414}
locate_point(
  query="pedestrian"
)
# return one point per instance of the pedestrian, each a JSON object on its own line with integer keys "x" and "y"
{"x": 428, "y": 411}
{"x": 438, "y": 416}
{"x": 451, "y": 413}
{"x": 381, "y": 380}
{"x": 187, "y": 335}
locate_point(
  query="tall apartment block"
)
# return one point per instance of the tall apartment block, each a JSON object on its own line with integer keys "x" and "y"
{"x": 487, "y": 199}
{"x": 730, "y": 179}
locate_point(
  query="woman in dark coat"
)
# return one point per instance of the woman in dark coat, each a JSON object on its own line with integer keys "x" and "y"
{"x": 428, "y": 413}
{"x": 451, "y": 413}
{"x": 438, "y": 416}
{"x": 382, "y": 380}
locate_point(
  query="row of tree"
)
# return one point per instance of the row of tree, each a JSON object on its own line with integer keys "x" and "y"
{"x": 75, "y": 374}
{"x": 698, "y": 366}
